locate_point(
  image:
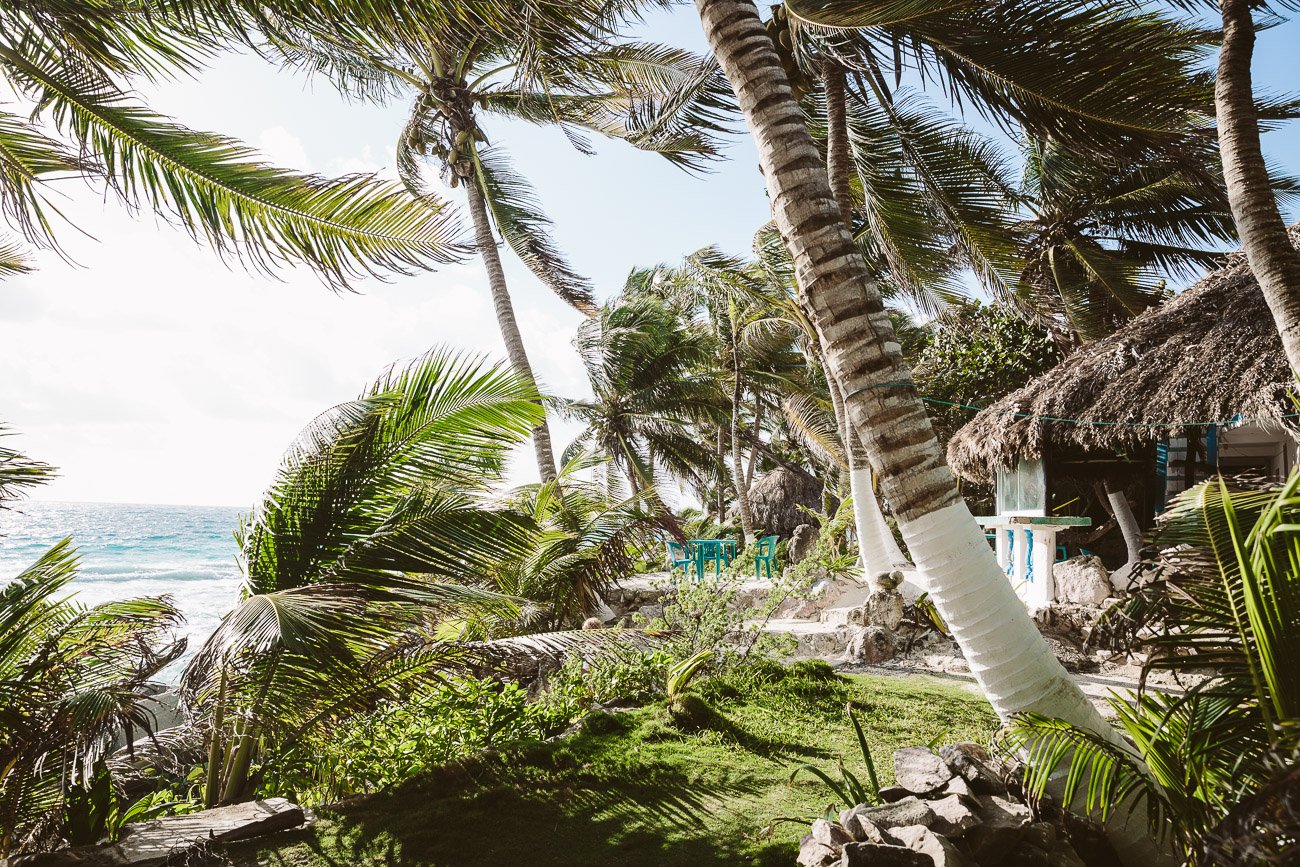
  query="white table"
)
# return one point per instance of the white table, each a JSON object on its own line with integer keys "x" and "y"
{"x": 1026, "y": 550}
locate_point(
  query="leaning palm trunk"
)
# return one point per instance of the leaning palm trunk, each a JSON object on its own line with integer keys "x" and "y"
{"x": 1273, "y": 260}
{"x": 1006, "y": 653}
{"x": 505, "y": 311}
{"x": 876, "y": 545}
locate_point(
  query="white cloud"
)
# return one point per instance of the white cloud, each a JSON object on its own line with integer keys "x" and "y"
{"x": 284, "y": 149}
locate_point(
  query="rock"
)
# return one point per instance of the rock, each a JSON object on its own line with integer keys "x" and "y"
{"x": 958, "y": 786}
{"x": 1025, "y": 855}
{"x": 882, "y": 855}
{"x": 921, "y": 839}
{"x": 920, "y": 771}
{"x": 884, "y": 608}
{"x": 651, "y": 612}
{"x": 889, "y": 580}
{"x": 1062, "y": 855}
{"x": 890, "y": 794}
{"x": 952, "y": 816}
{"x": 1042, "y": 835}
{"x": 1082, "y": 580}
{"x": 1070, "y": 656}
{"x": 1001, "y": 827}
{"x": 909, "y": 811}
{"x": 814, "y": 854}
{"x": 860, "y": 828}
{"x": 972, "y": 749}
{"x": 870, "y": 645}
{"x": 829, "y": 835}
{"x": 801, "y": 542}
{"x": 982, "y": 779}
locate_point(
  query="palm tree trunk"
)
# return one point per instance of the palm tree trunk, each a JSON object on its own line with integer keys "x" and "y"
{"x": 1006, "y": 653}
{"x": 1127, "y": 521}
{"x": 1273, "y": 260}
{"x": 838, "y": 157}
{"x": 877, "y": 548}
{"x": 505, "y": 311}
{"x": 755, "y": 441}
{"x": 737, "y": 465}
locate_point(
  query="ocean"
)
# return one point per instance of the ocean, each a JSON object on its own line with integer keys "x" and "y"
{"x": 187, "y": 552}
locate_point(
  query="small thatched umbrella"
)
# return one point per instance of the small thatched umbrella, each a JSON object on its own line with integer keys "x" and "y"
{"x": 1209, "y": 355}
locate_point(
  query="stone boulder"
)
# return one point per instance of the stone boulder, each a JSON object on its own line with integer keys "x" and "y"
{"x": 801, "y": 543}
{"x": 884, "y": 608}
{"x": 883, "y": 855}
{"x": 870, "y": 645}
{"x": 1082, "y": 580}
{"x": 774, "y": 500}
{"x": 920, "y": 771}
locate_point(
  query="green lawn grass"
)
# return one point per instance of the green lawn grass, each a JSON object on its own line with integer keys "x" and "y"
{"x": 634, "y": 789}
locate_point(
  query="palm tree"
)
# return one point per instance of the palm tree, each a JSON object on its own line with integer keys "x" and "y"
{"x": 1008, "y": 655}
{"x": 585, "y": 539}
{"x": 1273, "y": 260}
{"x": 70, "y": 63}
{"x": 1100, "y": 234}
{"x": 556, "y": 67}
{"x": 351, "y": 560}
{"x": 72, "y": 679}
{"x": 649, "y": 373}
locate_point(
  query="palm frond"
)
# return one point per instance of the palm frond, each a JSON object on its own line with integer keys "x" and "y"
{"x": 215, "y": 188}
{"x": 518, "y": 217}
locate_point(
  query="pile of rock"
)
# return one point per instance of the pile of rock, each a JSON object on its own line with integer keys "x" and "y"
{"x": 954, "y": 809}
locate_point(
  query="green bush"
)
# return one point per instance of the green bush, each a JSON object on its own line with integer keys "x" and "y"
{"x": 400, "y": 740}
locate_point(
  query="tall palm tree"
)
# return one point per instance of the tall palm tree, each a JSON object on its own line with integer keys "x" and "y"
{"x": 649, "y": 371}
{"x": 354, "y": 555}
{"x": 75, "y": 64}
{"x": 558, "y": 66}
{"x": 1005, "y": 651}
{"x": 1273, "y": 260}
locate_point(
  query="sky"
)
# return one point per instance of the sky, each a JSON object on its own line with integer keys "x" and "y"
{"x": 150, "y": 371}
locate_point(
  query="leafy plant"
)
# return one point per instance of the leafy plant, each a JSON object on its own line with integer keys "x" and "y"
{"x": 849, "y": 788}
{"x": 1232, "y": 613}
{"x": 72, "y": 679}
{"x": 349, "y": 562}
{"x": 682, "y": 673}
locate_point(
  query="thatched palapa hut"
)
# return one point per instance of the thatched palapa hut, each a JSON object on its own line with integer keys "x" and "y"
{"x": 1198, "y": 384}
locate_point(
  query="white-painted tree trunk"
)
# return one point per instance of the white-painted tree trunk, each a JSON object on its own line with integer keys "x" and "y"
{"x": 880, "y": 551}
{"x": 1005, "y": 651}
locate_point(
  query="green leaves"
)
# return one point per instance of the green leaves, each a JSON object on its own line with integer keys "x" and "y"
{"x": 71, "y": 679}
{"x": 1229, "y": 608}
{"x": 518, "y": 217}
{"x": 213, "y": 187}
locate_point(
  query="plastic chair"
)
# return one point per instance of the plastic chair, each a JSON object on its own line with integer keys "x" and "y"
{"x": 765, "y": 555}
{"x": 679, "y": 558}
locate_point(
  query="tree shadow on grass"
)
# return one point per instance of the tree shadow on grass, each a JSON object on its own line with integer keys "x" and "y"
{"x": 515, "y": 809}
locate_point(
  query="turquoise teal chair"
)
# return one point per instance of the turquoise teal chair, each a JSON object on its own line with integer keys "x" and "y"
{"x": 765, "y": 555}
{"x": 679, "y": 558}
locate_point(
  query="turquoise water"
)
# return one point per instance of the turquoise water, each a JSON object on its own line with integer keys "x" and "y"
{"x": 186, "y": 552}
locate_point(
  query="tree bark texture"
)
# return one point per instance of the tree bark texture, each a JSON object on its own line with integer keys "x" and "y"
{"x": 1273, "y": 260}
{"x": 505, "y": 312}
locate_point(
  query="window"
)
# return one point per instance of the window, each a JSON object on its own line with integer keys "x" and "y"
{"x": 1023, "y": 491}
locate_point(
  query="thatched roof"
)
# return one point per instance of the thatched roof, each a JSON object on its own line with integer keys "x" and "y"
{"x": 1207, "y": 355}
